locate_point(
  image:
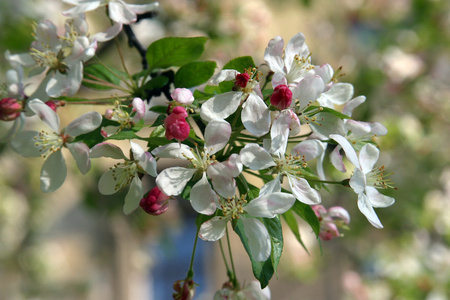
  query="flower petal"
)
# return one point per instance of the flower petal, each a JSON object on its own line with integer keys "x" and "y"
{"x": 24, "y": 144}
{"x": 107, "y": 183}
{"x": 146, "y": 160}
{"x": 172, "y": 181}
{"x": 358, "y": 181}
{"x": 339, "y": 94}
{"x": 336, "y": 159}
{"x": 143, "y": 8}
{"x": 53, "y": 172}
{"x": 107, "y": 150}
{"x": 84, "y": 124}
{"x": 217, "y": 134}
{"x": 80, "y": 152}
{"x": 222, "y": 179}
{"x": 272, "y": 186}
{"x": 221, "y": 106}
{"x": 258, "y": 239}
{"x": 368, "y": 156}
{"x": 134, "y": 196}
{"x": 308, "y": 90}
{"x": 224, "y": 75}
{"x": 327, "y": 124}
{"x": 303, "y": 191}
{"x": 213, "y": 229}
{"x": 45, "y": 113}
{"x": 352, "y": 104}
{"x": 350, "y": 153}
{"x": 367, "y": 210}
{"x": 81, "y": 7}
{"x": 256, "y": 158}
{"x": 120, "y": 12}
{"x": 270, "y": 205}
{"x": 255, "y": 115}
{"x": 308, "y": 149}
{"x": 273, "y": 55}
{"x": 173, "y": 150}
{"x": 377, "y": 199}
{"x": 295, "y": 46}
{"x": 108, "y": 34}
{"x": 279, "y": 133}
{"x": 203, "y": 198}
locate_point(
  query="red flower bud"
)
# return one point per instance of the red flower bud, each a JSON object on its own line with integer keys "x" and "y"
{"x": 176, "y": 125}
{"x": 281, "y": 97}
{"x": 242, "y": 80}
{"x": 155, "y": 203}
{"x": 10, "y": 109}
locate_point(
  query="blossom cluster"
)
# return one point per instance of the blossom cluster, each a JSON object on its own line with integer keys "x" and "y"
{"x": 268, "y": 122}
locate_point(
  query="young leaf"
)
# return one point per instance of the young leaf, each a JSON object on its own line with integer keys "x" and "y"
{"x": 263, "y": 271}
{"x": 326, "y": 110}
{"x": 194, "y": 73}
{"x": 98, "y": 72}
{"x": 240, "y": 63}
{"x": 274, "y": 228}
{"x": 174, "y": 51}
{"x": 305, "y": 212}
{"x": 289, "y": 217}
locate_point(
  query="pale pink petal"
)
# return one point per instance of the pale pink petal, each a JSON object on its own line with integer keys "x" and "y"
{"x": 366, "y": 208}
{"x": 143, "y": 8}
{"x": 81, "y": 7}
{"x": 255, "y": 115}
{"x": 134, "y": 196}
{"x": 272, "y": 186}
{"x": 377, "y": 199}
{"x": 203, "y": 198}
{"x": 80, "y": 152}
{"x": 368, "y": 156}
{"x": 120, "y": 12}
{"x": 339, "y": 212}
{"x": 45, "y": 113}
{"x": 270, "y": 205}
{"x": 24, "y": 144}
{"x": 308, "y": 90}
{"x": 378, "y": 129}
{"x": 303, "y": 191}
{"x": 278, "y": 79}
{"x": 258, "y": 239}
{"x": 213, "y": 229}
{"x": 350, "y": 153}
{"x": 327, "y": 124}
{"x": 183, "y": 96}
{"x": 107, "y": 150}
{"x": 256, "y": 158}
{"x": 107, "y": 183}
{"x": 53, "y": 172}
{"x": 221, "y": 106}
{"x": 325, "y": 71}
{"x": 84, "y": 124}
{"x": 222, "y": 179}
{"x": 273, "y": 55}
{"x": 357, "y": 128}
{"x": 234, "y": 163}
{"x": 139, "y": 108}
{"x": 108, "y": 34}
{"x": 308, "y": 149}
{"x": 172, "y": 181}
{"x": 217, "y": 134}
{"x": 146, "y": 160}
{"x": 173, "y": 150}
{"x": 279, "y": 133}
{"x": 352, "y": 104}
{"x": 336, "y": 159}
{"x": 339, "y": 94}
{"x": 295, "y": 46}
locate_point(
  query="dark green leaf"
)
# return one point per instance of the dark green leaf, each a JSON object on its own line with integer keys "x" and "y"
{"x": 240, "y": 63}
{"x": 292, "y": 224}
{"x": 263, "y": 271}
{"x": 275, "y": 230}
{"x": 156, "y": 83}
{"x": 305, "y": 212}
{"x": 174, "y": 51}
{"x": 199, "y": 95}
{"x": 124, "y": 135}
{"x": 212, "y": 89}
{"x": 99, "y": 73}
{"x": 326, "y": 110}
{"x": 194, "y": 74}
{"x": 161, "y": 109}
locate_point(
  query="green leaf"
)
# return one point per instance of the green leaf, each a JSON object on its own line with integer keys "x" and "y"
{"x": 275, "y": 230}
{"x": 240, "y": 63}
{"x": 156, "y": 83}
{"x": 263, "y": 271}
{"x": 174, "y": 51}
{"x": 160, "y": 109}
{"x": 124, "y": 135}
{"x": 194, "y": 74}
{"x": 99, "y": 73}
{"x": 212, "y": 89}
{"x": 289, "y": 217}
{"x": 305, "y": 212}
{"x": 199, "y": 95}
{"x": 320, "y": 109}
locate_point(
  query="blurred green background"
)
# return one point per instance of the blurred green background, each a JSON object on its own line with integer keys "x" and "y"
{"x": 76, "y": 244}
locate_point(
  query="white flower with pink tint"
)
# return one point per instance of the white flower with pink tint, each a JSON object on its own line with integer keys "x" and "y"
{"x": 203, "y": 197}
{"x": 125, "y": 119}
{"x": 331, "y": 220}
{"x": 182, "y": 96}
{"x": 125, "y": 173}
{"x": 48, "y": 144}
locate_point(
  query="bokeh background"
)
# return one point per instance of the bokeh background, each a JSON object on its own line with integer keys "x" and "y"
{"x": 77, "y": 244}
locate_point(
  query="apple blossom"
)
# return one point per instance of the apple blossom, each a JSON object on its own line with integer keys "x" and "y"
{"x": 125, "y": 173}
{"x": 366, "y": 180}
{"x": 49, "y": 144}
{"x": 125, "y": 119}
{"x": 255, "y": 114}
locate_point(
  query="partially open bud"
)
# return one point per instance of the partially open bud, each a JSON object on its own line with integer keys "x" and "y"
{"x": 176, "y": 125}
{"x": 10, "y": 109}
{"x": 242, "y": 80}
{"x": 331, "y": 221}
{"x": 54, "y": 104}
{"x": 281, "y": 97}
{"x": 184, "y": 289}
{"x": 183, "y": 96}
{"x": 155, "y": 203}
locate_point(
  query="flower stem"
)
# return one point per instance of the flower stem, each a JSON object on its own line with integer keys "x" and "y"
{"x": 232, "y": 276}
{"x": 190, "y": 273}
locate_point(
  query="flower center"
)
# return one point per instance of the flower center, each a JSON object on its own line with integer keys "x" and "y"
{"x": 50, "y": 59}
{"x": 290, "y": 164}
{"x": 201, "y": 159}
{"x": 300, "y": 67}
{"x": 49, "y": 143}
{"x": 123, "y": 174}
{"x": 233, "y": 207}
{"x": 376, "y": 178}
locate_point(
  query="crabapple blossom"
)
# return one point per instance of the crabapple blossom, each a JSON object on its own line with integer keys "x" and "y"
{"x": 255, "y": 114}
{"x": 48, "y": 144}
{"x": 125, "y": 119}
{"x": 366, "y": 180}
{"x": 118, "y": 10}
{"x": 125, "y": 173}
{"x": 155, "y": 203}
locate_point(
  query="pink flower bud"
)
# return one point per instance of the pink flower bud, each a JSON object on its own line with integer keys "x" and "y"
{"x": 184, "y": 289}
{"x": 176, "y": 125}
{"x": 155, "y": 203}
{"x": 242, "y": 80}
{"x": 109, "y": 113}
{"x": 328, "y": 231}
{"x": 52, "y": 104}
{"x": 281, "y": 97}
{"x": 10, "y": 109}
{"x": 183, "y": 96}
